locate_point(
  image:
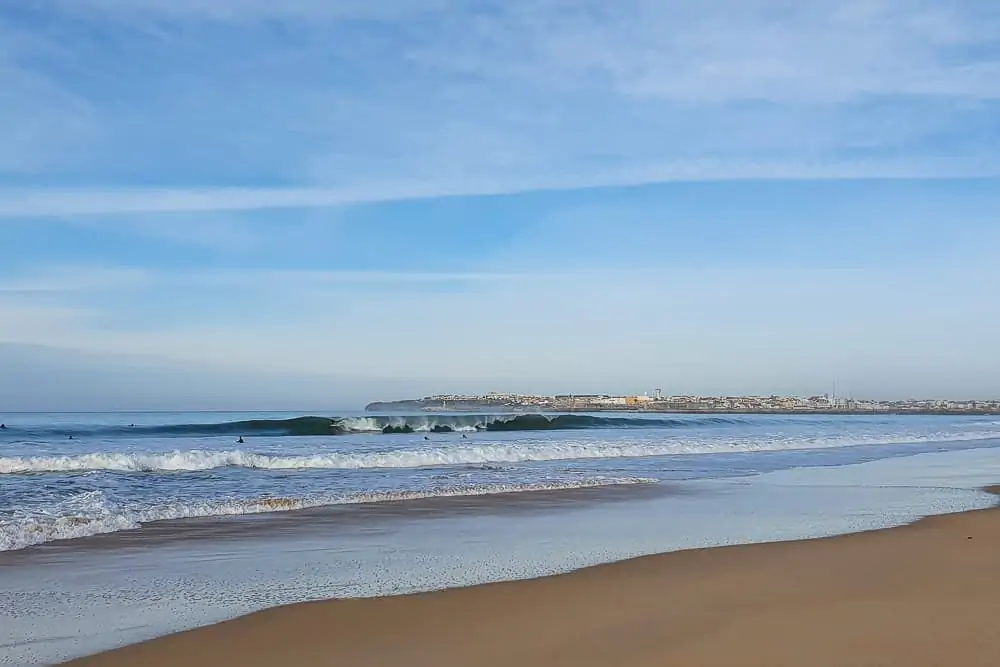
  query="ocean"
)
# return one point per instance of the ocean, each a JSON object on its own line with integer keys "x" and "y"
{"x": 116, "y": 527}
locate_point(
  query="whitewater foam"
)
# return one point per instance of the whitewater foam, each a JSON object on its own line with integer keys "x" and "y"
{"x": 91, "y": 513}
{"x": 495, "y": 452}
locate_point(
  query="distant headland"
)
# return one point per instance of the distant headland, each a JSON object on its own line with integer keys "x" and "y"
{"x": 824, "y": 404}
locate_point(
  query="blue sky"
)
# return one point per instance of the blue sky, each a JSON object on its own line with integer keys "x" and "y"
{"x": 336, "y": 201}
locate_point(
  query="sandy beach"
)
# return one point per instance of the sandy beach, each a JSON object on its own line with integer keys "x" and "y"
{"x": 923, "y": 594}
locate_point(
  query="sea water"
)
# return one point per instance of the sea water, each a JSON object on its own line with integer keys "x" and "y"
{"x": 332, "y": 506}
{"x": 69, "y": 476}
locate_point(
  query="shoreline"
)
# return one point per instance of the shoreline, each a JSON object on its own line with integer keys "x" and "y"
{"x": 221, "y": 527}
{"x": 921, "y": 593}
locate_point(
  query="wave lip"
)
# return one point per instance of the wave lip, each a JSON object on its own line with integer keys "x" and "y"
{"x": 95, "y": 516}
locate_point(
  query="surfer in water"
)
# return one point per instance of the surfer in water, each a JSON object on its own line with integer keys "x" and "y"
{"x": 3, "y": 426}
{"x": 240, "y": 441}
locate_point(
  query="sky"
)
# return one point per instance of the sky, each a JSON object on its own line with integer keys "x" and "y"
{"x": 225, "y": 204}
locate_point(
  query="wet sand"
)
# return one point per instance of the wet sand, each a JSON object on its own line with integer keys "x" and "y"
{"x": 919, "y": 595}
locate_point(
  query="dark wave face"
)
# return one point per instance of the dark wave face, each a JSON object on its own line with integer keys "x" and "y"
{"x": 401, "y": 424}
{"x": 295, "y": 426}
{"x": 272, "y": 427}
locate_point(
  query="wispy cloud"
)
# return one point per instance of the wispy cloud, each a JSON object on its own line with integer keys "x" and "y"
{"x": 65, "y": 279}
{"x": 153, "y": 106}
{"x": 726, "y": 50}
{"x": 59, "y": 202}
{"x": 81, "y": 281}
{"x": 42, "y": 121}
{"x": 243, "y": 10}
{"x": 21, "y": 319}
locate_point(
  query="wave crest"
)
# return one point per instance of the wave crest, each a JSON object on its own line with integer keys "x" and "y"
{"x": 197, "y": 460}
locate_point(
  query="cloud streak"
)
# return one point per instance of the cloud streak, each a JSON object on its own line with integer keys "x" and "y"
{"x": 59, "y": 202}
{"x": 75, "y": 280}
{"x": 243, "y": 10}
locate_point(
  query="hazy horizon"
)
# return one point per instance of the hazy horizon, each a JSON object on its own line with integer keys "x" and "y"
{"x": 229, "y": 204}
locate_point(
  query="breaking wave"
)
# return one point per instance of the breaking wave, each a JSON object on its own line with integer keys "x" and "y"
{"x": 92, "y": 514}
{"x": 305, "y": 426}
{"x": 195, "y": 460}
{"x": 448, "y": 454}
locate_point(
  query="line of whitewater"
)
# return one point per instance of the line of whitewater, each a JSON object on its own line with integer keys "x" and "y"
{"x": 23, "y": 532}
{"x": 486, "y": 453}
{"x": 198, "y": 460}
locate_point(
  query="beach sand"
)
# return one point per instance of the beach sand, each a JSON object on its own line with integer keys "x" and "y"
{"x": 918, "y": 595}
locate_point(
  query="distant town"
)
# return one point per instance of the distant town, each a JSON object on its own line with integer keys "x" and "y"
{"x": 658, "y": 402}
